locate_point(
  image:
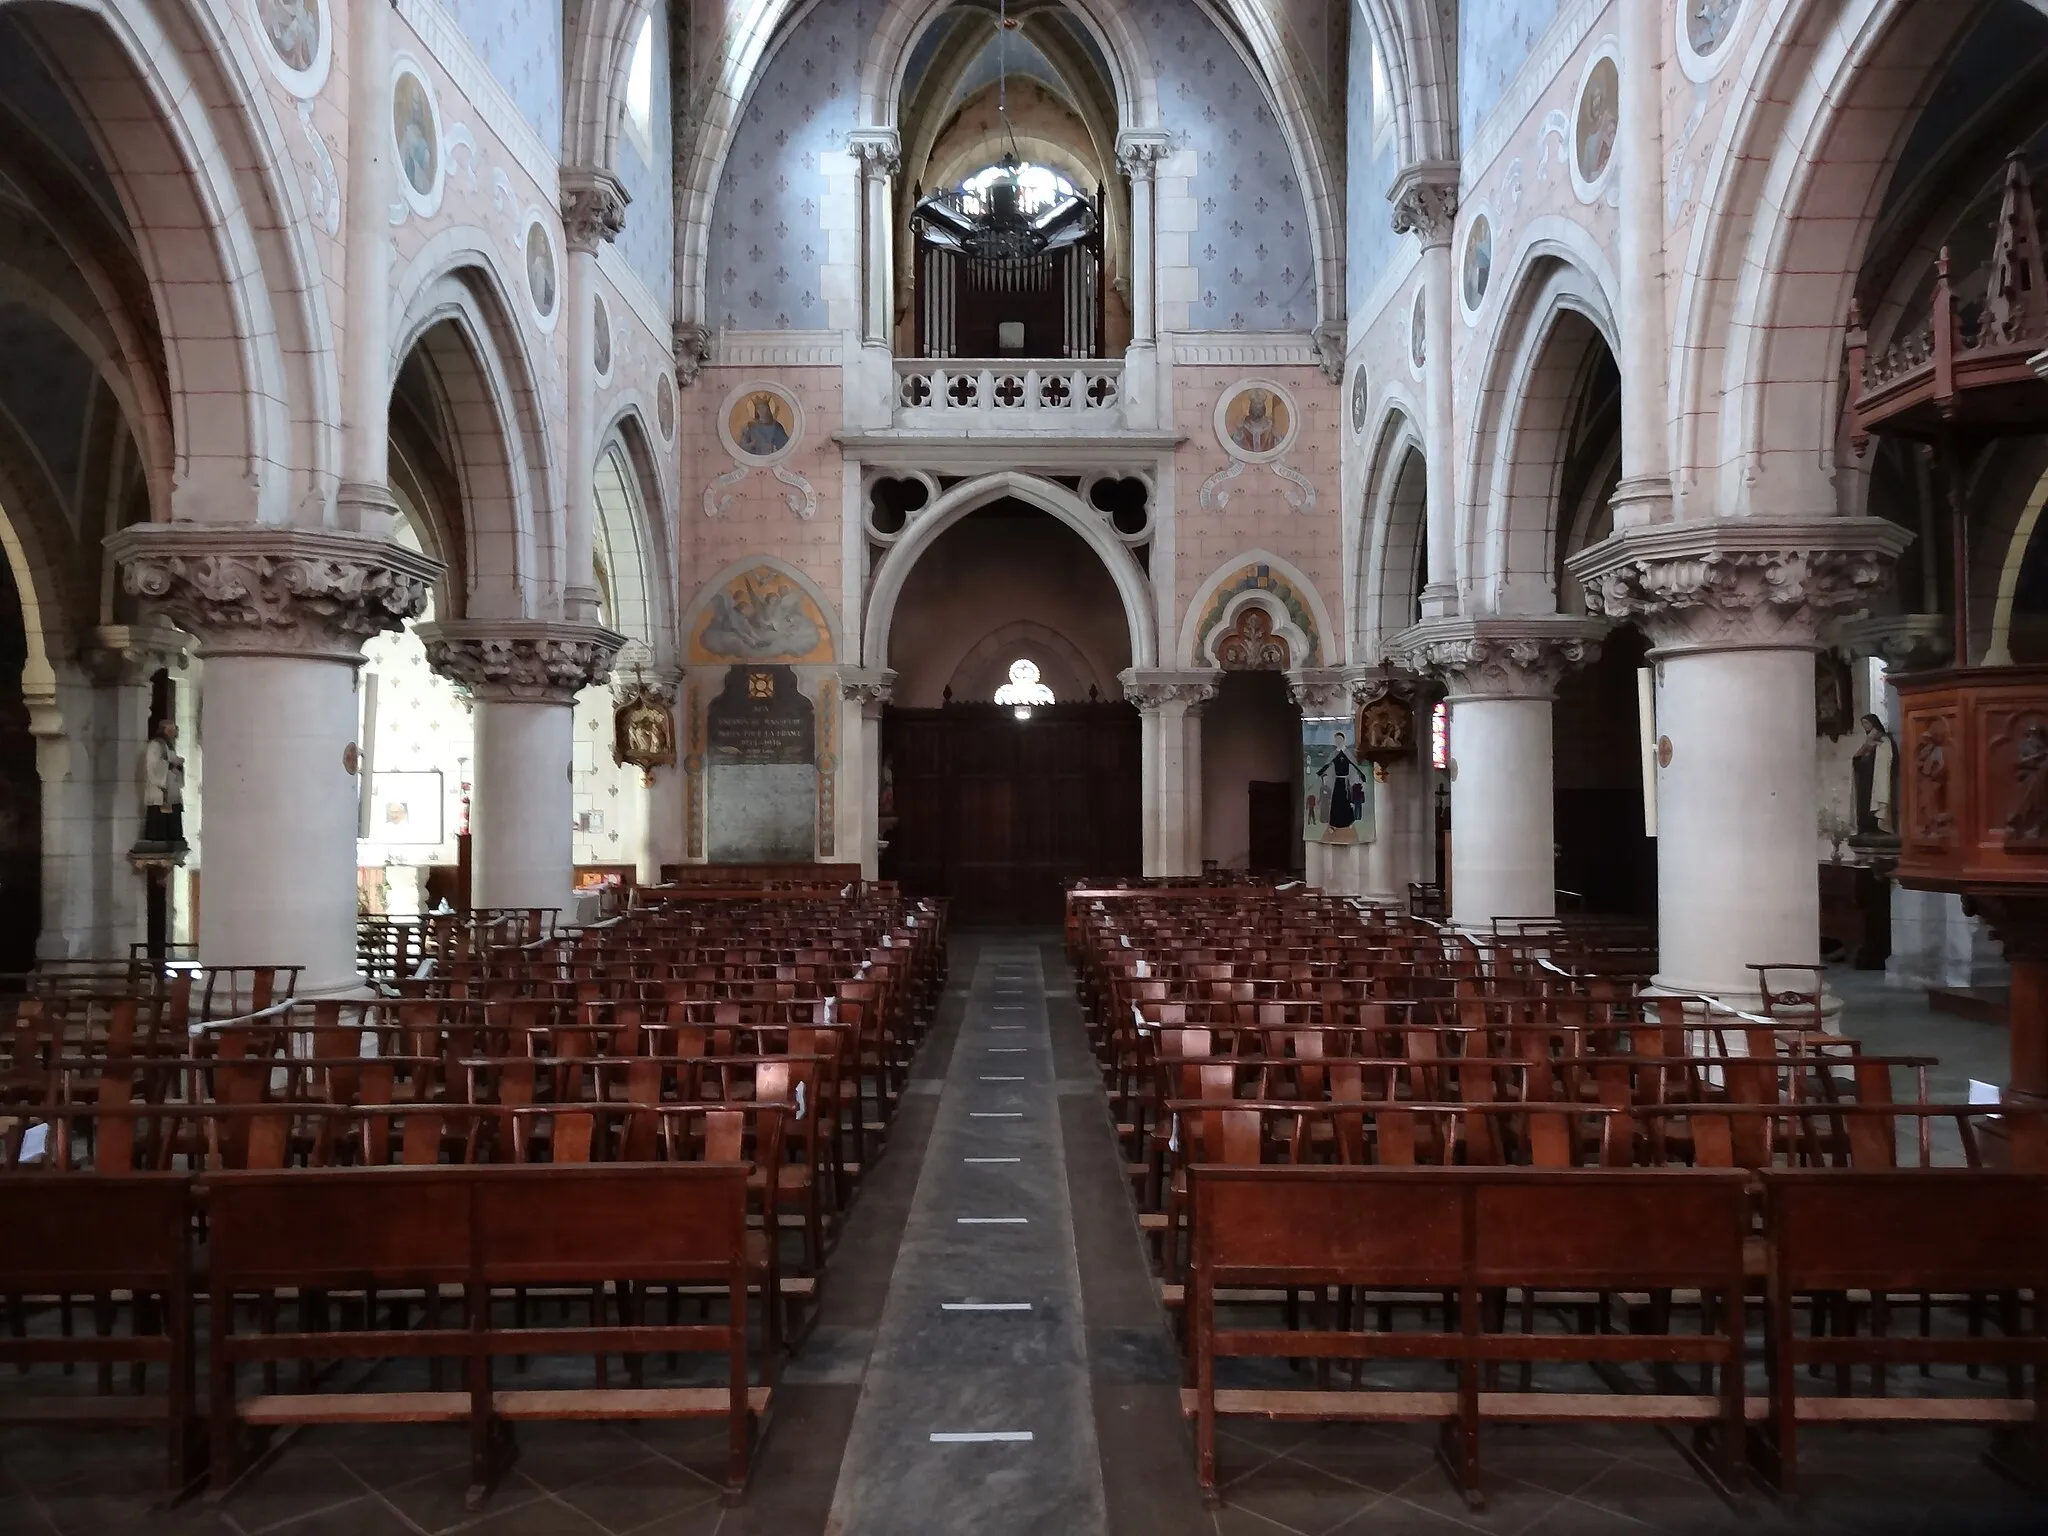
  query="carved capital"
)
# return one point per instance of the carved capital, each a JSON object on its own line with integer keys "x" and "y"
{"x": 593, "y": 208}
{"x": 693, "y": 350}
{"x": 1905, "y": 642}
{"x": 1425, "y": 199}
{"x": 1369, "y": 683}
{"x": 871, "y": 690}
{"x": 1153, "y": 690}
{"x": 521, "y": 660}
{"x": 1329, "y": 350}
{"x": 878, "y": 150}
{"x": 1138, "y": 152}
{"x": 130, "y": 654}
{"x": 1319, "y": 692}
{"x": 1498, "y": 658}
{"x": 272, "y": 591}
{"x": 1738, "y": 582}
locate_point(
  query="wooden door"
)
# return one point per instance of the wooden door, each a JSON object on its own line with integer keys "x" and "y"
{"x": 999, "y": 814}
{"x": 1274, "y": 827}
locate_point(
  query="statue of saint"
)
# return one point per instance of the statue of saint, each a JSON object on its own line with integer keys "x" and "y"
{"x": 163, "y": 793}
{"x": 1875, "y": 768}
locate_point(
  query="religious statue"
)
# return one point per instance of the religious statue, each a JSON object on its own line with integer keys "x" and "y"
{"x": 1875, "y": 768}
{"x": 2027, "y": 826}
{"x": 163, "y": 795}
{"x": 644, "y": 731}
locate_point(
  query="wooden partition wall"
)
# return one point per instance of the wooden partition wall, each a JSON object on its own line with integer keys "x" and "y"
{"x": 995, "y": 812}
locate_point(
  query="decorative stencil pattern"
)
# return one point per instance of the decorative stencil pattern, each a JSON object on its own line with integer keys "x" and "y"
{"x": 648, "y": 241}
{"x": 521, "y": 42}
{"x": 767, "y": 244}
{"x": 1250, "y": 247}
{"x": 1495, "y": 37}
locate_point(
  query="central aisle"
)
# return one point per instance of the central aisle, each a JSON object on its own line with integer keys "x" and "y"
{"x": 975, "y": 1412}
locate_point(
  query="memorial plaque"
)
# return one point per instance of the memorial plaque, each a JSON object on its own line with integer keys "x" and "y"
{"x": 761, "y": 735}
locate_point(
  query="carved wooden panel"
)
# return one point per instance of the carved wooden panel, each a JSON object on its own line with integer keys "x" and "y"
{"x": 1974, "y": 778}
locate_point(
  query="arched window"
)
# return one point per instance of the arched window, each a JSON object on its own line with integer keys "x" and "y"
{"x": 1382, "y": 101}
{"x": 640, "y": 92}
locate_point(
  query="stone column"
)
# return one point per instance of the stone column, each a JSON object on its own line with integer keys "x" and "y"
{"x": 524, "y": 676}
{"x": 364, "y": 504}
{"x": 1733, "y": 609}
{"x": 593, "y": 210}
{"x": 1319, "y": 693}
{"x": 1170, "y": 708}
{"x": 1397, "y": 852}
{"x": 281, "y": 615}
{"x": 1425, "y": 198}
{"x": 666, "y": 841}
{"x": 863, "y": 696}
{"x": 1138, "y": 154}
{"x": 1501, "y": 674}
{"x": 1644, "y": 495}
{"x": 880, "y": 157}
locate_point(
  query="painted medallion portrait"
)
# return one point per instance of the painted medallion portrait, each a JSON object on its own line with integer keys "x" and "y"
{"x": 761, "y": 424}
{"x": 1255, "y": 421}
{"x": 1708, "y": 23}
{"x": 414, "y": 132}
{"x": 1599, "y": 120}
{"x": 1418, "y": 338}
{"x": 540, "y": 270}
{"x": 301, "y": 41}
{"x": 1359, "y": 398}
{"x": 600, "y": 336}
{"x": 665, "y": 407}
{"x": 293, "y": 27}
{"x": 1477, "y": 270}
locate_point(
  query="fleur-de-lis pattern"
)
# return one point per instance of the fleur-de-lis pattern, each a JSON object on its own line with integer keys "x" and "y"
{"x": 1253, "y": 269}
{"x": 1495, "y": 37}
{"x": 520, "y": 41}
{"x": 772, "y": 191}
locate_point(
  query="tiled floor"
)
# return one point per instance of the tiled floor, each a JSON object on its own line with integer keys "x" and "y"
{"x": 580, "y": 1480}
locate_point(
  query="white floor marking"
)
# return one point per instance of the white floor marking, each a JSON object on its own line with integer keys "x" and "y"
{"x": 1002, "y": 1079}
{"x": 984, "y": 1306}
{"x": 982, "y": 1437}
{"x": 991, "y": 1159}
{"x": 993, "y": 1221}
{"x": 995, "y": 1114}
